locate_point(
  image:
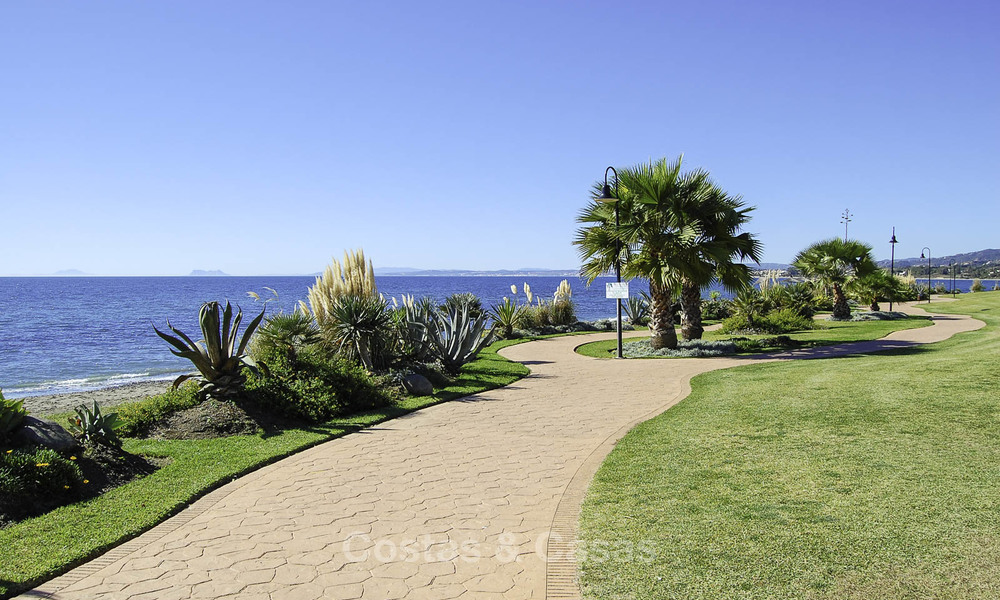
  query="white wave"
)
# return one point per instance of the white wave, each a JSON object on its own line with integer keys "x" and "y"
{"x": 87, "y": 384}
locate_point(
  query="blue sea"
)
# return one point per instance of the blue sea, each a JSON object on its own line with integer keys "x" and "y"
{"x": 68, "y": 334}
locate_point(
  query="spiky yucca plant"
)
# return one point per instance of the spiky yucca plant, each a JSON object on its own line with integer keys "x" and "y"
{"x": 360, "y": 329}
{"x": 218, "y": 357}
{"x": 506, "y": 316}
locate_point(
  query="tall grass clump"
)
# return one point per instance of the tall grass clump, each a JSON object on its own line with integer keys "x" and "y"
{"x": 560, "y": 311}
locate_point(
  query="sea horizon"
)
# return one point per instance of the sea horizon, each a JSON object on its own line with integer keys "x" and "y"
{"x": 72, "y": 334}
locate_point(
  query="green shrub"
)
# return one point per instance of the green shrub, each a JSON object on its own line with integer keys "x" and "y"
{"x": 315, "y": 387}
{"x": 563, "y": 312}
{"x": 977, "y": 285}
{"x": 778, "y": 321}
{"x": 31, "y": 479}
{"x": 137, "y": 417}
{"x": 785, "y": 320}
{"x": 737, "y": 323}
{"x": 716, "y": 309}
{"x": 535, "y": 316}
{"x": 285, "y": 332}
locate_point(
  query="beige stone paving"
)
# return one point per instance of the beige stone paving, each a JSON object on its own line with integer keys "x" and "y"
{"x": 454, "y": 501}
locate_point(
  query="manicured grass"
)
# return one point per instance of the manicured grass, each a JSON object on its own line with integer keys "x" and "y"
{"x": 859, "y": 477}
{"x": 38, "y": 549}
{"x": 827, "y": 333}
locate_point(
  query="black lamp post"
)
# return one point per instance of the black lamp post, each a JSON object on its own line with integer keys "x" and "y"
{"x": 928, "y": 271}
{"x": 892, "y": 266}
{"x": 951, "y": 267}
{"x": 608, "y": 197}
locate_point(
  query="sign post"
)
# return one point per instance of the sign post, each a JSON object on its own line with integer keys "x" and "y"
{"x": 618, "y": 291}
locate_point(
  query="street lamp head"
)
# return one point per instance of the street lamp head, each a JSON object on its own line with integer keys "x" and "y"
{"x": 922, "y": 255}
{"x": 893, "y": 240}
{"x": 606, "y": 195}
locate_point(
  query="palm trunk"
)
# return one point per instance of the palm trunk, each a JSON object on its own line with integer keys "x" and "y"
{"x": 661, "y": 320}
{"x": 691, "y": 328}
{"x": 841, "y": 310}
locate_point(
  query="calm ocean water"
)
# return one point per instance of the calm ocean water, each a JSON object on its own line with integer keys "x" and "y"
{"x": 65, "y": 334}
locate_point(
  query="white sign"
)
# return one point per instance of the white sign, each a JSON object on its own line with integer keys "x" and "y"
{"x": 616, "y": 290}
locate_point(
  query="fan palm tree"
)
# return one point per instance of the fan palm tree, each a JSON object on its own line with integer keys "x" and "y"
{"x": 651, "y": 240}
{"x": 874, "y": 286}
{"x": 834, "y": 263}
{"x": 717, "y": 250}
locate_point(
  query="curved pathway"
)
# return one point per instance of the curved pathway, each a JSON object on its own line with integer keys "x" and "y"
{"x": 475, "y": 498}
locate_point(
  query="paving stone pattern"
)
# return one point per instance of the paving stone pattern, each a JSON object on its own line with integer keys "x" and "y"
{"x": 455, "y": 501}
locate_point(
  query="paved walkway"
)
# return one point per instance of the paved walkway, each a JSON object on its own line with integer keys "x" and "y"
{"x": 474, "y": 499}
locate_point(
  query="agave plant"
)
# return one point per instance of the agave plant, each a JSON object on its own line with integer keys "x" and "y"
{"x": 637, "y": 309}
{"x": 411, "y": 323}
{"x": 93, "y": 426}
{"x": 11, "y": 414}
{"x": 457, "y": 337}
{"x": 220, "y": 360}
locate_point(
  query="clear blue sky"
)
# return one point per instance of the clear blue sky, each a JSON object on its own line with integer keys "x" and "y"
{"x": 264, "y": 137}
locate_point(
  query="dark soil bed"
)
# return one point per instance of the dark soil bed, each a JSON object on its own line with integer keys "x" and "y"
{"x": 102, "y": 468}
{"x": 209, "y": 419}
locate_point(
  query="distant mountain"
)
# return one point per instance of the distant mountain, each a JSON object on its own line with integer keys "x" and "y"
{"x": 200, "y": 273}
{"x": 393, "y": 271}
{"x": 978, "y": 257}
{"x": 70, "y": 273}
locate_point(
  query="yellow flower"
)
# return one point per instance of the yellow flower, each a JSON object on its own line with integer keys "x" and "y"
{"x": 41, "y": 464}
{"x": 65, "y": 487}
{"x": 9, "y": 451}
{"x": 72, "y": 458}
{"x": 86, "y": 481}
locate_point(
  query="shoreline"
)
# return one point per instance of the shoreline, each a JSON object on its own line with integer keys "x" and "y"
{"x": 50, "y": 404}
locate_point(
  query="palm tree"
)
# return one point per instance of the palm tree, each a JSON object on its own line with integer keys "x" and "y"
{"x": 875, "y": 285}
{"x": 835, "y": 262}
{"x": 717, "y": 250}
{"x": 651, "y": 236}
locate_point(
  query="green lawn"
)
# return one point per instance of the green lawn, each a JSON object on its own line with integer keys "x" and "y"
{"x": 38, "y": 549}
{"x": 826, "y": 334}
{"x": 859, "y": 477}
